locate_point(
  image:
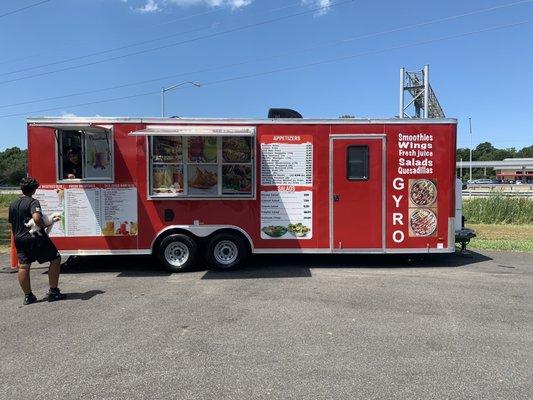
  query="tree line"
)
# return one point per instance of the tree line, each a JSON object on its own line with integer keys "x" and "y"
{"x": 13, "y": 163}
{"x": 487, "y": 152}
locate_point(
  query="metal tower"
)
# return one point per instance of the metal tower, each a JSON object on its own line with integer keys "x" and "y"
{"x": 423, "y": 100}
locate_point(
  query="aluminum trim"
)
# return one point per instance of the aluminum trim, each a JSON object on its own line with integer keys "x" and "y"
{"x": 195, "y": 130}
{"x": 202, "y": 231}
{"x": 451, "y": 233}
{"x": 352, "y": 251}
{"x": 104, "y": 252}
{"x": 40, "y": 121}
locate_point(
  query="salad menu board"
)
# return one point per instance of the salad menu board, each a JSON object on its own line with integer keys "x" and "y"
{"x": 286, "y": 199}
{"x": 91, "y": 211}
{"x": 286, "y": 215}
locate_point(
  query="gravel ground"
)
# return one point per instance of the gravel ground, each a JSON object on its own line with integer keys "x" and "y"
{"x": 285, "y": 327}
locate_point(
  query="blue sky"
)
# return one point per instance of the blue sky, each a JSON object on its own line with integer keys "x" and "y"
{"x": 234, "y": 47}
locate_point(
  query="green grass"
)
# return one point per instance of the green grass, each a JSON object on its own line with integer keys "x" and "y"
{"x": 499, "y": 210}
{"x": 502, "y": 237}
{"x": 4, "y": 230}
{"x": 6, "y": 199}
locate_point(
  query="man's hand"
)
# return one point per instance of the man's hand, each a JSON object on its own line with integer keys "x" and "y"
{"x": 71, "y": 176}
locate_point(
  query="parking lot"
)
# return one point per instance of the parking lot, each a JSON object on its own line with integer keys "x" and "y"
{"x": 285, "y": 327}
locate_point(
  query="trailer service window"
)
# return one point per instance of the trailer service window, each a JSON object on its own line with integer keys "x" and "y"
{"x": 85, "y": 155}
{"x": 201, "y": 166}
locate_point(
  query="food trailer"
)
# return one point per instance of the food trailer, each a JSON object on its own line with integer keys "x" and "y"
{"x": 220, "y": 189}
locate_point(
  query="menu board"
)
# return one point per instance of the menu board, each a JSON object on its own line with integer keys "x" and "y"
{"x": 285, "y": 163}
{"x": 286, "y": 215}
{"x": 82, "y": 212}
{"x": 286, "y": 178}
{"x": 91, "y": 211}
{"x": 53, "y": 201}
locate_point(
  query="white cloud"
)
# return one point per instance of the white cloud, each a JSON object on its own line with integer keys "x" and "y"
{"x": 324, "y": 6}
{"x": 65, "y": 114}
{"x": 150, "y": 7}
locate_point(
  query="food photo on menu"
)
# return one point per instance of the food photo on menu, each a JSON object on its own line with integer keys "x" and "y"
{"x": 168, "y": 149}
{"x": 422, "y": 192}
{"x": 422, "y": 222}
{"x": 202, "y": 149}
{"x": 203, "y": 180}
{"x": 167, "y": 179}
{"x": 236, "y": 150}
{"x": 236, "y": 179}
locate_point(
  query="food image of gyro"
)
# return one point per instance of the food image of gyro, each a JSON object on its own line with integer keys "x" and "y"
{"x": 423, "y": 192}
{"x": 423, "y": 222}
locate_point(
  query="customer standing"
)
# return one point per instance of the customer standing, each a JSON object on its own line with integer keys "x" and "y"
{"x": 30, "y": 248}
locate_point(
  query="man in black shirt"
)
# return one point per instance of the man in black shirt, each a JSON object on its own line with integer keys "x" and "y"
{"x": 72, "y": 168}
{"x": 30, "y": 248}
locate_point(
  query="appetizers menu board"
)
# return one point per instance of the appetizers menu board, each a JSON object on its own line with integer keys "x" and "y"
{"x": 91, "y": 211}
{"x": 287, "y": 161}
{"x": 286, "y": 181}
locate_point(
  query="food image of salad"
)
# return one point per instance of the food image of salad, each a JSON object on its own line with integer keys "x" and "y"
{"x": 274, "y": 230}
{"x": 423, "y": 222}
{"x": 237, "y": 178}
{"x": 236, "y": 149}
{"x": 423, "y": 192}
{"x": 298, "y": 230}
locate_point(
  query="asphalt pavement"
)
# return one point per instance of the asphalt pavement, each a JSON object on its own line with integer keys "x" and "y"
{"x": 284, "y": 327}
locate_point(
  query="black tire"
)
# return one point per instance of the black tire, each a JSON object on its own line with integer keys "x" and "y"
{"x": 226, "y": 251}
{"x": 177, "y": 253}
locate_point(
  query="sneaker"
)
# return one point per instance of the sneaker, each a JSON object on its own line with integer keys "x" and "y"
{"x": 29, "y": 299}
{"x": 55, "y": 294}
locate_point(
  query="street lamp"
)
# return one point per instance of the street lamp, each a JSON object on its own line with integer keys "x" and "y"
{"x": 470, "y": 123}
{"x": 167, "y": 89}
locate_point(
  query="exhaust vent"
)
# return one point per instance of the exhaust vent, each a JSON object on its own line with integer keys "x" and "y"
{"x": 283, "y": 113}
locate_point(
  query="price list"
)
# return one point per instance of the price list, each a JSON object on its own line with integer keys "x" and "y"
{"x": 286, "y": 215}
{"x": 287, "y": 164}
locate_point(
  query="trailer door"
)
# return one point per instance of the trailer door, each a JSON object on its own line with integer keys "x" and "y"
{"x": 357, "y": 192}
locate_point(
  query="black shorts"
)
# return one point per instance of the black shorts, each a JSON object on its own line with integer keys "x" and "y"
{"x": 40, "y": 249}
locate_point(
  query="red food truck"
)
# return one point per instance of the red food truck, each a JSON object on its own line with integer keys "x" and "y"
{"x": 182, "y": 189}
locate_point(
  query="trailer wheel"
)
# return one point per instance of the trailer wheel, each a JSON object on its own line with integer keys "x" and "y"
{"x": 177, "y": 253}
{"x": 226, "y": 251}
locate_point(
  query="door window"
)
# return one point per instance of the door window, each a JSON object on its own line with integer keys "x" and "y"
{"x": 357, "y": 163}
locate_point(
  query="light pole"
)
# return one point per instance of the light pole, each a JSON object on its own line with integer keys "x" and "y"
{"x": 167, "y": 89}
{"x": 470, "y": 123}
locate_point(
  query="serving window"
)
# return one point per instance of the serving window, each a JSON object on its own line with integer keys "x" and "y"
{"x": 84, "y": 155}
{"x": 201, "y": 166}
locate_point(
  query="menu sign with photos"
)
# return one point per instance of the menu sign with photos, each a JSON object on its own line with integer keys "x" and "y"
{"x": 286, "y": 181}
{"x": 91, "y": 211}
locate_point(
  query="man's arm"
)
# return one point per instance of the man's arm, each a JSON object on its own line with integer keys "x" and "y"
{"x": 38, "y": 218}
{"x": 36, "y": 213}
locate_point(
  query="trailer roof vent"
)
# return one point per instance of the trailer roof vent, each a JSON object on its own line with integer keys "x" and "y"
{"x": 283, "y": 113}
